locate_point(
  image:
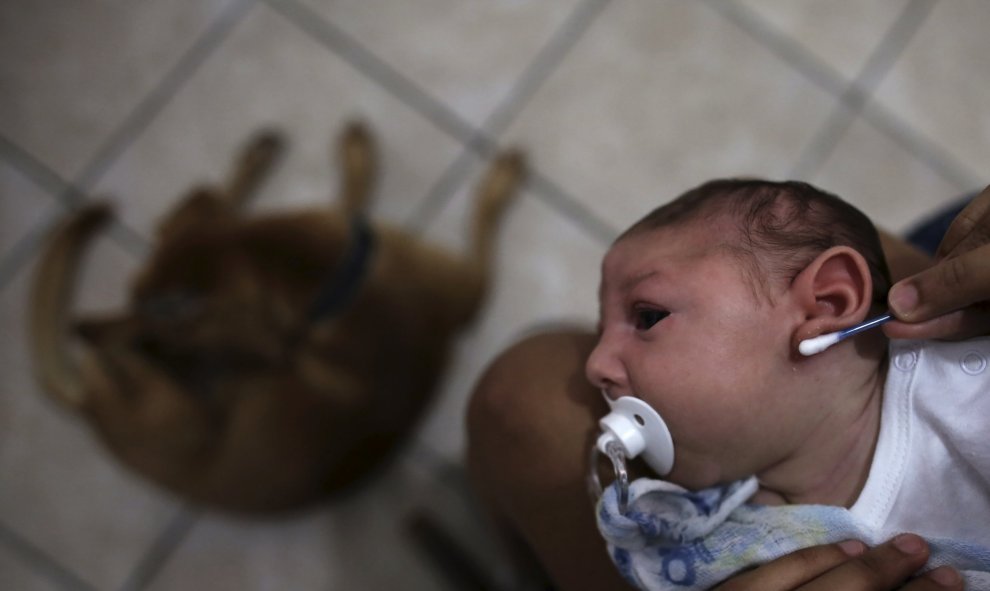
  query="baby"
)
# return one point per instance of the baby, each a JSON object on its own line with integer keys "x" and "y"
{"x": 704, "y": 303}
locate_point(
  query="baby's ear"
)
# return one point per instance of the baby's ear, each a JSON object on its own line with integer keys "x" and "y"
{"x": 835, "y": 291}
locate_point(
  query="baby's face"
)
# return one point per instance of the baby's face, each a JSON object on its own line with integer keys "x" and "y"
{"x": 682, "y": 329}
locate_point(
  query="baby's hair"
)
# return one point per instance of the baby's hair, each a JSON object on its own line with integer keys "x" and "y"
{"x": 783, "y": 226}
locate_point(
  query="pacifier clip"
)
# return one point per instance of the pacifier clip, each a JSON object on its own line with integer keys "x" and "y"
{"x": 631, "y": 429}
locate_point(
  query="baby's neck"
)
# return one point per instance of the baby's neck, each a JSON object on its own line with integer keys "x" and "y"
{"x": 831, "y": 468}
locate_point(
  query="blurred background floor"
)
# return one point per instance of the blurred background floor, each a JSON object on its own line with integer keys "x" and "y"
{"x": 621, "y": 105}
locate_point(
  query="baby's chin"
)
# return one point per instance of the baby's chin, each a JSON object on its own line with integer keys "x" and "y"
{"x": 765, "y": 496}
{"x": 695, "y": 476}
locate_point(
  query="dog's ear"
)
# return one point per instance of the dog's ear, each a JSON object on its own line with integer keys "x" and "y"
{"x": 202, "y": 204}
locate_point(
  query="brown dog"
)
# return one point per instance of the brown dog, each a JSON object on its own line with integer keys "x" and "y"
{"x": 265, "y": 362}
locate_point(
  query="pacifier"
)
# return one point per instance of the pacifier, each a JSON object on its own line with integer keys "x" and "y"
{"x": 632, "y": 428}
{"x": 639, "y": 430}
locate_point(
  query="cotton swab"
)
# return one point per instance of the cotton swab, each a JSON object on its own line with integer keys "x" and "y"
{"x": 815, "y": 345}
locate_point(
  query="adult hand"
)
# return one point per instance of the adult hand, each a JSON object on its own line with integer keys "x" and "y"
{"x": 950, "y": 300}
{"x": 850, "y": 566}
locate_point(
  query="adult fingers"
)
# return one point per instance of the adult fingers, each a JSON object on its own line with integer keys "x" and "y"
{"x": 850, "y": 566}
{"x": 970, "y": 322}
{"x": 884, "y": 567}
{"x": 795, "y": 569}
{"x": 970, "y": 229}
{"x": 943, "y": 578}
{"x": 952, "y": 284}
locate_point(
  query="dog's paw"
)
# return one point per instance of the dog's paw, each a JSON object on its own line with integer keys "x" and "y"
{"x": 502, "y": 181}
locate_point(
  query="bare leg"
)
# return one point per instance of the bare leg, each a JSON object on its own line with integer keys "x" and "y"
{"x": 531, "y": 425}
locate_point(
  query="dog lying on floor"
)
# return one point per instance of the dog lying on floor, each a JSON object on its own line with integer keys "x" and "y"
{"x": 265, "y": 362}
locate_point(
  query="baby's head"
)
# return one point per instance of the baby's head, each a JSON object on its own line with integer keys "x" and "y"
{"x": 704, "y": 302}
{"x": 777, "y": 228}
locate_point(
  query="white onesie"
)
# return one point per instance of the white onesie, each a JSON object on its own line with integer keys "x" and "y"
{"x": 931, "y": 470}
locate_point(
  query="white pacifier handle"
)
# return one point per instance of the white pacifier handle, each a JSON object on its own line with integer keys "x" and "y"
{"x": 638, "y": 428}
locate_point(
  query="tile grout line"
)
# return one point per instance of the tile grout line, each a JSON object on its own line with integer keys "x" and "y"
{"x": 408, "y": 92}
{"x": 17, "y": 257}
{"x": 174, "y": 79}
{"x": 161, "y": 549}
{"x": 916, "y": 143}
{"x": 783, "y": 46}
{"x": 484, "y": 142}
{"x": 72, "y": 194}
{"x": 40, "y": 562}
{"x": 794, "y": 54}
{"x": 367, "y": 63}
{"x": 557, "y": 198}
{"x": 49, "y": 182}
{"x": 36, "y": 171}
{"x": 546, "y": 61}
{"x": 859, "y": 92}
{"x": 923, "y": 148}
{"x": 62, "y": 193}
{"x": 891, "y": 47}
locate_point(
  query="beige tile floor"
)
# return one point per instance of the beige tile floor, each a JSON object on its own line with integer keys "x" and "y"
{"x": 621, "y": 105}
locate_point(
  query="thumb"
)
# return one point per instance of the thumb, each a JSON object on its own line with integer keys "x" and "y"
{"x": 951, "y": 284}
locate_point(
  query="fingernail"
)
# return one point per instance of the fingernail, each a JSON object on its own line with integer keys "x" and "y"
{"x": 903, "y": 299}
{"x": 852, "y": 547}
{"x": 909, "y": 544}
{"x": 945, "y": 576}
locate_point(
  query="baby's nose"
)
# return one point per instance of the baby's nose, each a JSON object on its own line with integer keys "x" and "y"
{"x": 604, "y": 369}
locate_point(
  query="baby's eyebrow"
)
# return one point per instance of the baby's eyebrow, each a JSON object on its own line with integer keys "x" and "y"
{"x": 635, "y": 280}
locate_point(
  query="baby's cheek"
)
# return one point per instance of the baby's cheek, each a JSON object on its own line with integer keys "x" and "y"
{"x": 694, "y": 470}
{"x": 719, "y": 438}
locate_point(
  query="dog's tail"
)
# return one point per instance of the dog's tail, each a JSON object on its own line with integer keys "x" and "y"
{"x": 49, "y": 307}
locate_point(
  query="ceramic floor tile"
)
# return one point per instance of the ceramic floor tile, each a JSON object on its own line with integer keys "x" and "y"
{"x": 546, "y": 271}
{"x": 72, "y": 71}
{"x": 841, "y": 33}
{"x": 269, "y": 73}
{"x": 61, "y": 490}
{"x": 880, "y": 177}
{"x": 935, "y": 87}
{"x": 23, "y": 205}
{"x": 356, "y": 543}
{"x": 15, "y": 573}
{"x": 658, "y": 98}
{"x": 466, "y": 54}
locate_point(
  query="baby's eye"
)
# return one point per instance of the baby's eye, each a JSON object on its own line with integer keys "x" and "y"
{"x": 647, "y": 317}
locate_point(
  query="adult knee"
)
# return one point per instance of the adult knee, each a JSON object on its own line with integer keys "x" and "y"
{"x": 525, "y": 381}
{"x": 531, "y": 406}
